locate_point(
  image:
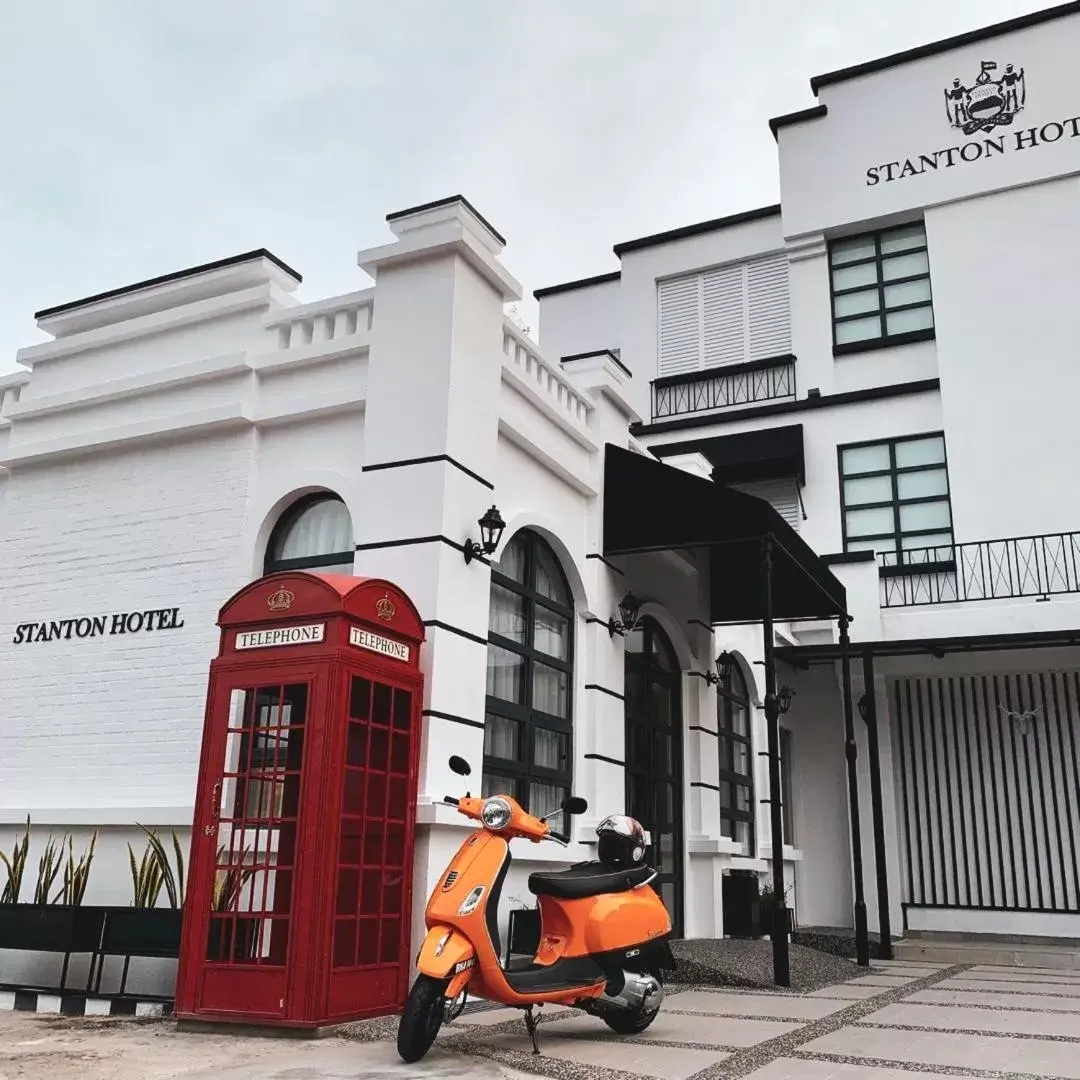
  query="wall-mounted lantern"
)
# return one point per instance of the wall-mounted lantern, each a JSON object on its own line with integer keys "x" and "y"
{"x": 629, "y": 609}
{"x": 492, "y": 527}
{"x": 725, "y": 663}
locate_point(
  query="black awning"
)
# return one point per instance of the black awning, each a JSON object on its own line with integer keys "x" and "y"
{"x": 763, "y": 454}
{"x": 650, "y": 506}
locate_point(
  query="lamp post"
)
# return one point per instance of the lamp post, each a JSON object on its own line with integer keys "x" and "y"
{"x": 862, "y": 941}
{"x": 868, "y": 711}
{"x": 781, "y": 951}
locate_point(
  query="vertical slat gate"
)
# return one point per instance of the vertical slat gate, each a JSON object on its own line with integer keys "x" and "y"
{"x": 990, "y": 790}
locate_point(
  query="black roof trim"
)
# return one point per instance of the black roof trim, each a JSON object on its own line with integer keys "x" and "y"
{"x": 825, "y": 401}
{"x": 815, "y": 112}
{"x": 946, "y": 44}
{"x": 176, "y": 275}
{"x": 805, "y": 655}
{"x": 841, "y": 558}
{"x": 597, "y": 352}
{"x": 697, "y": 229}
{"x": 446, "y": 202}
{"x": 581, "y": 283}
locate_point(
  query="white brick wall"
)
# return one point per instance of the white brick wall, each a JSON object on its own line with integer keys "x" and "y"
{"x": 115, "y": 721}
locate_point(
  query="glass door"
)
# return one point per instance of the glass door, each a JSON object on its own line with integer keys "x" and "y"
{"x": 654, "y": 756}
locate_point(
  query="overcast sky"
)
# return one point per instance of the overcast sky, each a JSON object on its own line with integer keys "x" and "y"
{"x": 140, "y": 137}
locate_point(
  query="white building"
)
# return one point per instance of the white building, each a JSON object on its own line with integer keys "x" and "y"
{"x": 885, "y": 357}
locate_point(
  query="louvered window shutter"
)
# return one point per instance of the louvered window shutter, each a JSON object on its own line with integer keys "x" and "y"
{"x": 680, "y": 325}
{"x": 782, "y": 494}
{"x": 769, "y": 308}
{"x": 724, "y": 316}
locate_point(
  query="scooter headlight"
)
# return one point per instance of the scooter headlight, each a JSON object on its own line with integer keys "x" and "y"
{"x": 495, "y": 813}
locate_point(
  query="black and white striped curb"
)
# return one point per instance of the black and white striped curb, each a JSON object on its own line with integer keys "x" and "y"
{"x": 36, "y": 1001}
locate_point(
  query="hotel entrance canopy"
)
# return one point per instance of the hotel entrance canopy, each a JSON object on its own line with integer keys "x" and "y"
{"x": 649, "y": 506}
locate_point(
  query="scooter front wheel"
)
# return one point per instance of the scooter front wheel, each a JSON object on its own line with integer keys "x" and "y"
{"x": 422, "y": 1017}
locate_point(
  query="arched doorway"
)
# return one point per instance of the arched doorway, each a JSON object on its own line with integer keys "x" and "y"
{"x": 654, "y": 756}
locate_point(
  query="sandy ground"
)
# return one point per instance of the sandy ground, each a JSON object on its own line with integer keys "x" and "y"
{"x": 67, "y": 1048}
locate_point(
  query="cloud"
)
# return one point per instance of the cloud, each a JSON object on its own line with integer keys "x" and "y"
{"x": 141, "y": 138}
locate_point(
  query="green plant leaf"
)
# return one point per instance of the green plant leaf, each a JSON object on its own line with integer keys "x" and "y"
{"x": 179, "y": 866}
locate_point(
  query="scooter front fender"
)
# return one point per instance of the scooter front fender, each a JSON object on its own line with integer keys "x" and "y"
{"x": 446, "y": 953}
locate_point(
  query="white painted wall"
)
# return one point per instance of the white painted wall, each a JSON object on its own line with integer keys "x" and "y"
{"x": 1006, "y": 376}
{"x": 584, "y": 320}
{"x": 899, "y": 113}
{"x": 115, "y": 721}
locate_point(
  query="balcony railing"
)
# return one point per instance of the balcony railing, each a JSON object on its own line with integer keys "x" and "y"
{"x": 1026, "y": 566}
{"x": 723, "y": 387}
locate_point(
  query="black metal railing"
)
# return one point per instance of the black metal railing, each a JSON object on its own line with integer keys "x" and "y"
{"x": 1035, "y": 566}
{"x": 724, "y": 387}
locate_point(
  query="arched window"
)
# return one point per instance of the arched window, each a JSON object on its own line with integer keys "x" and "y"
{"x": 736, "y": 759}
{"x": 527, "y": 726}
{"x": 315, "y": 533}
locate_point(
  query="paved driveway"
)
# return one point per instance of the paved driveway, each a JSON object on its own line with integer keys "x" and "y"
{"x": 901, "y": 1021}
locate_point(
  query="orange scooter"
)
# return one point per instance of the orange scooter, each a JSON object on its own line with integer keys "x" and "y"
{"x": 603, "y": 940}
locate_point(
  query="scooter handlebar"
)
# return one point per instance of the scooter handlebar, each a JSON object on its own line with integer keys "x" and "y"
{"x": 556, "y": 839}
{"x": 450, "y": 800}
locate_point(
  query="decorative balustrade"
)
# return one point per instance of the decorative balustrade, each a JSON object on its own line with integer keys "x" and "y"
{"x": 723, "y": 387}
{"x": 10, "y": 389}
{"x": 545, "y": 377}
{"x": 334, "y": 319}
{"x": 1028, "y": 566}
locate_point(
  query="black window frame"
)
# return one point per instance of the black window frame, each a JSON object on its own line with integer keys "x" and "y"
{"x": 285, "y": 523}
{"x": 787, "y": 809}
{"x": 727, "y": 696}
{"x": 523, "y": 770}
{"x": 885, "y": 340}
{"x": 900, "y": 567}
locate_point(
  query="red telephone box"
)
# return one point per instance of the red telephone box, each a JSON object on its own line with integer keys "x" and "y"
{"x": 299, "y": 891}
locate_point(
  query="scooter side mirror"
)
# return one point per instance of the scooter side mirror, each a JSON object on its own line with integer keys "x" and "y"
{"x": 460, "y": 766}
{"x": 574, "y": 804}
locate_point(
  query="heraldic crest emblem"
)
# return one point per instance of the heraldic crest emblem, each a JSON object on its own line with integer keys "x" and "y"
{"x": 280, "y": 599}
{"x": 989, "y": 102}
{"x": 385, "y": 609}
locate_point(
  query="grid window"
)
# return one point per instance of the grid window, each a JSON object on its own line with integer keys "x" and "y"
{"x": 527, "y": 729}
{"x": 736, "y": 760}
{"x": 881, "y": 289}
{"x": 895, "y": 500}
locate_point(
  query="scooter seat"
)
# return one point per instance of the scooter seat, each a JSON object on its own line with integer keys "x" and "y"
{"x": 587, "y": 879}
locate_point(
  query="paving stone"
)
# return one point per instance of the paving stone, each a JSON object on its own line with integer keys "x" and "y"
{"x": 846, "y": 990}
{"x": 630, "y": 1057}
{"x": 1025, "y": 974}
{"x": 966, "y": 982}
{"x": 959, "y": 1018}
{"x": 914, "y": 971}
{"x": 990, "y": 1053}
{"x": 1022, "y": 970}
{"x": 1003, "y": 1000}
{"x": 804, "y": 1069}
{"x": 884, "y": 980}
{"x": 774, "y": 1006}
{"x": 487, "y": 1017}
{"x": 670, "y": 1027}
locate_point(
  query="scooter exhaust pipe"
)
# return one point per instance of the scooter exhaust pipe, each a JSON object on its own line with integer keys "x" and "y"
{"x": 639, "y": 993}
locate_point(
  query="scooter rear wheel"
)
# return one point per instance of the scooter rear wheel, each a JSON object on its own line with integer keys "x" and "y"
{"x": 629, "y": 1023}
{"x": 422, "y": 1017}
